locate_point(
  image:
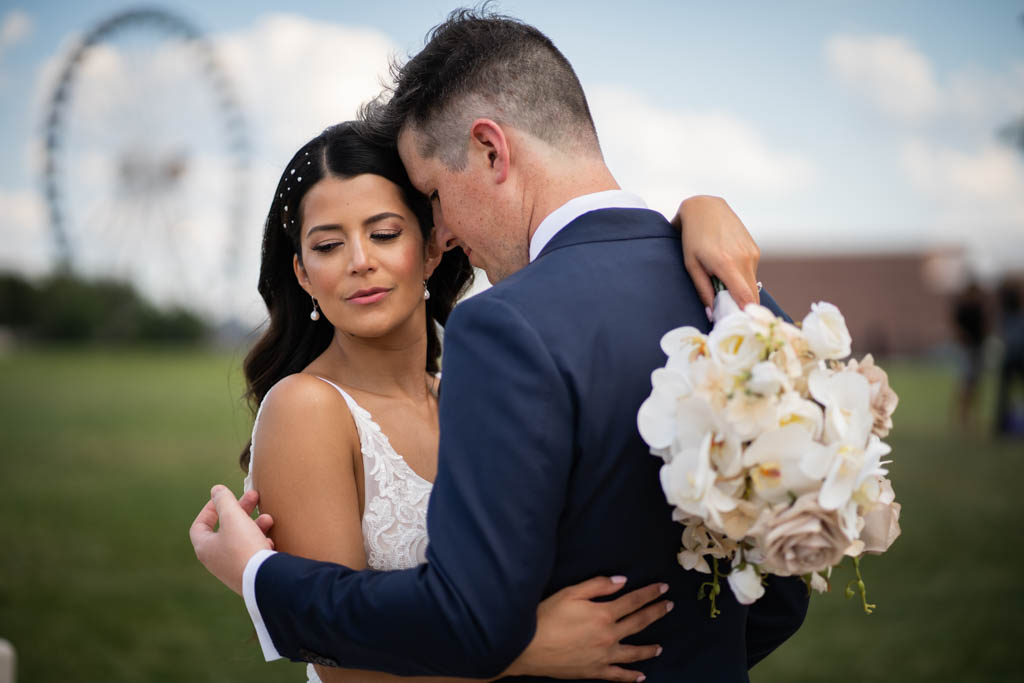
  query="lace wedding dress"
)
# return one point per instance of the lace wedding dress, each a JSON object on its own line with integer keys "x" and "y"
{"x": 395, "y": 513}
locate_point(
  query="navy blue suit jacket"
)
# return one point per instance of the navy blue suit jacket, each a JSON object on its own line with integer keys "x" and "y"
{"x": 543, "y": 481}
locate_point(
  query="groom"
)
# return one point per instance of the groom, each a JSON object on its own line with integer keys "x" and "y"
{"x": 543, "y": 480}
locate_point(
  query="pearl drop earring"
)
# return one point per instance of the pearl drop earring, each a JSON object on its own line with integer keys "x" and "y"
{"x": 315, "y": 313}
{"x": 426, "y": 291}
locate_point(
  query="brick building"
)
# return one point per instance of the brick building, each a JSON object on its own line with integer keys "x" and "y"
{"x": 893, "y": 302}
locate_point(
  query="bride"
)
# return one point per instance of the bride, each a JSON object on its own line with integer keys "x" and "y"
{"x": 346, "y": 376}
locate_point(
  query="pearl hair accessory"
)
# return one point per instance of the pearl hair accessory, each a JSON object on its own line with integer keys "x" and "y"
{"x": 315, "y": 313}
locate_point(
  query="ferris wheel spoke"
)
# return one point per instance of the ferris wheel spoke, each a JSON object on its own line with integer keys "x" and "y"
{"x": 141, "y": 103}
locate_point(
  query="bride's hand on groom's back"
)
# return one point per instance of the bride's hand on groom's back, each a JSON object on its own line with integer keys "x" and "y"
{"x": 577, "y": 637}
{"x": 715, "y": 242}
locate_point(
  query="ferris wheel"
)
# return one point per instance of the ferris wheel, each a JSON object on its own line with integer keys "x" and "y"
{"x": 145, "y": 164}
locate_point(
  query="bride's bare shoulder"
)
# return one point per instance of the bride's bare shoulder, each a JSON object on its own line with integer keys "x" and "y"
{"x": 304, "y": 412}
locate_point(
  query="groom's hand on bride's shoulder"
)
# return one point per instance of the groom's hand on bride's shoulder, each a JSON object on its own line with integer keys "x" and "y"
{"x": 226, "y": 550}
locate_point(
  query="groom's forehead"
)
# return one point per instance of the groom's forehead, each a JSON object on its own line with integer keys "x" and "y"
{"x": 415, "y": 165}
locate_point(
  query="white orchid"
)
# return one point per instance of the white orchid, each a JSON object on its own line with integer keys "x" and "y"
{"x": 688, "y": 478}
{"x": 818, "y": 582}
{"x": 746, "y": 584}
{"x": 656, "y": 417}
{"x": 685, "y": 341}
{"x": 768, "y": 379}
{"x": 724, "y": 305}
{"x": 792, "y": 409}
{"x": 850, "y": 467}
{"x": 825, "y": 330}
{"x": 749, "y": 415}
{"x": 784, "y": 463}
{"x": 846, "y": 397}
{"x": 692, "y": 559}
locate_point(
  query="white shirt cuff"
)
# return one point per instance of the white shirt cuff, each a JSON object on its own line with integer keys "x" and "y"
{"x": 270, "y": 652}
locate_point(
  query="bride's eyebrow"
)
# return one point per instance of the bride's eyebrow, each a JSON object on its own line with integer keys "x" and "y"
{"x": 368, "y": 222}
{"x": 381, "y": 216}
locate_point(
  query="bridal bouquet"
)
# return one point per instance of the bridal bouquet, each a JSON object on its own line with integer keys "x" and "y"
{"x": 772, "y": 447}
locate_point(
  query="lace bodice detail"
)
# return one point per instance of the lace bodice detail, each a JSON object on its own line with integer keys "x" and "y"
{"x": 395, "y": 514}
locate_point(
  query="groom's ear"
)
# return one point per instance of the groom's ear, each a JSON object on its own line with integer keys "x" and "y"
{"x": 489, "y": 142}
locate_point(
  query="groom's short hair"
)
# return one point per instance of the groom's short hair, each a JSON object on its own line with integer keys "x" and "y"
{"x": 478, "y": 64}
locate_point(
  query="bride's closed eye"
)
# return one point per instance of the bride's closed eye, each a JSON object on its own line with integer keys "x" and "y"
{"x": 386, "y": 236}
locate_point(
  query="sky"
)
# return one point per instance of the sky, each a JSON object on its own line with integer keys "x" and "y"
{"x": 828, "y": 126}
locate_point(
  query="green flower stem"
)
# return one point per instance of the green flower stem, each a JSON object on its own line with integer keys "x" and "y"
{"x": 717, "y": 284}
{"x": 861, "y": 588}
{"x": 711, "y": 588}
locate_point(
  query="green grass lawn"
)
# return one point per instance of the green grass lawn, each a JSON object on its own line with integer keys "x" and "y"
{"x": 105, "y": 457}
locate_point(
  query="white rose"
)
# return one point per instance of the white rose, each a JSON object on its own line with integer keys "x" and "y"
{"x": 825, "y": 331}
{"x": 803, "y": 538}
{"x": 881, "y": 528}
{"x": 746, "y": 584}
{"x": 735, "y": 343}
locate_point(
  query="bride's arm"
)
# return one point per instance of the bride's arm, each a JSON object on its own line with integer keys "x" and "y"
{"x": 304, "y": 451}
{"x": 715, "y": 242}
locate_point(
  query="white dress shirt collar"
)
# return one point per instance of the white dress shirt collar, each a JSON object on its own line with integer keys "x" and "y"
{"x": 576, "y": 207}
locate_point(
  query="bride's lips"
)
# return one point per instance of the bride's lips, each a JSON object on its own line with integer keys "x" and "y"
{"x": 368, "y": 296}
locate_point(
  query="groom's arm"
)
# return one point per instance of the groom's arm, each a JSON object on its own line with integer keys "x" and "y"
{"x": 777, "y": 615}
{"x": 505, "y": 454}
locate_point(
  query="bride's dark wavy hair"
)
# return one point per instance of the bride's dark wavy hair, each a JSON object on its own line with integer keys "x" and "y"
{"x": 291, "y": 340}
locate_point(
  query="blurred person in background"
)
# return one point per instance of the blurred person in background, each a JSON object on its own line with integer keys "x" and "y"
{"x": 970, "y": 321}
{"x": 349, "y": 365}
{"x": 1010, "y": 411}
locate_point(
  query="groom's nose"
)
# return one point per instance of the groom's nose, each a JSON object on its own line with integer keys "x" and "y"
{"x": 445, "y": 237}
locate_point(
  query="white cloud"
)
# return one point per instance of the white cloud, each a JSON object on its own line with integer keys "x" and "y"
{"x": 889, "y": 71}
{"x": 994, "y": 173}
{"x": 987, "y": 98}
{"x": 298, "y": 76}
{"x": 977, "y": 195}
{"x": 293, "y": 77}
{"x": 15, "y": 27}
{"x": 667, "y": 155}
{"x": 980, "y": 184}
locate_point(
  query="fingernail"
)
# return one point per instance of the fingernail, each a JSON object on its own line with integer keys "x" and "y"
{"x": 663, "y": 589}
{"x": 668, "y": 606}
{"x": 641, "y": 678}
{"x": 618, "y": 579}
{"x": 658, "y": 651}
{"x": 709, "y": 314}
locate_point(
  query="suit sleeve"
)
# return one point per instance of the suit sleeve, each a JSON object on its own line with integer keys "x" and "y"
{"x": 775, "y": 616}
{"x": 504, "y": 459}
{"x": 781, "y": 610}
